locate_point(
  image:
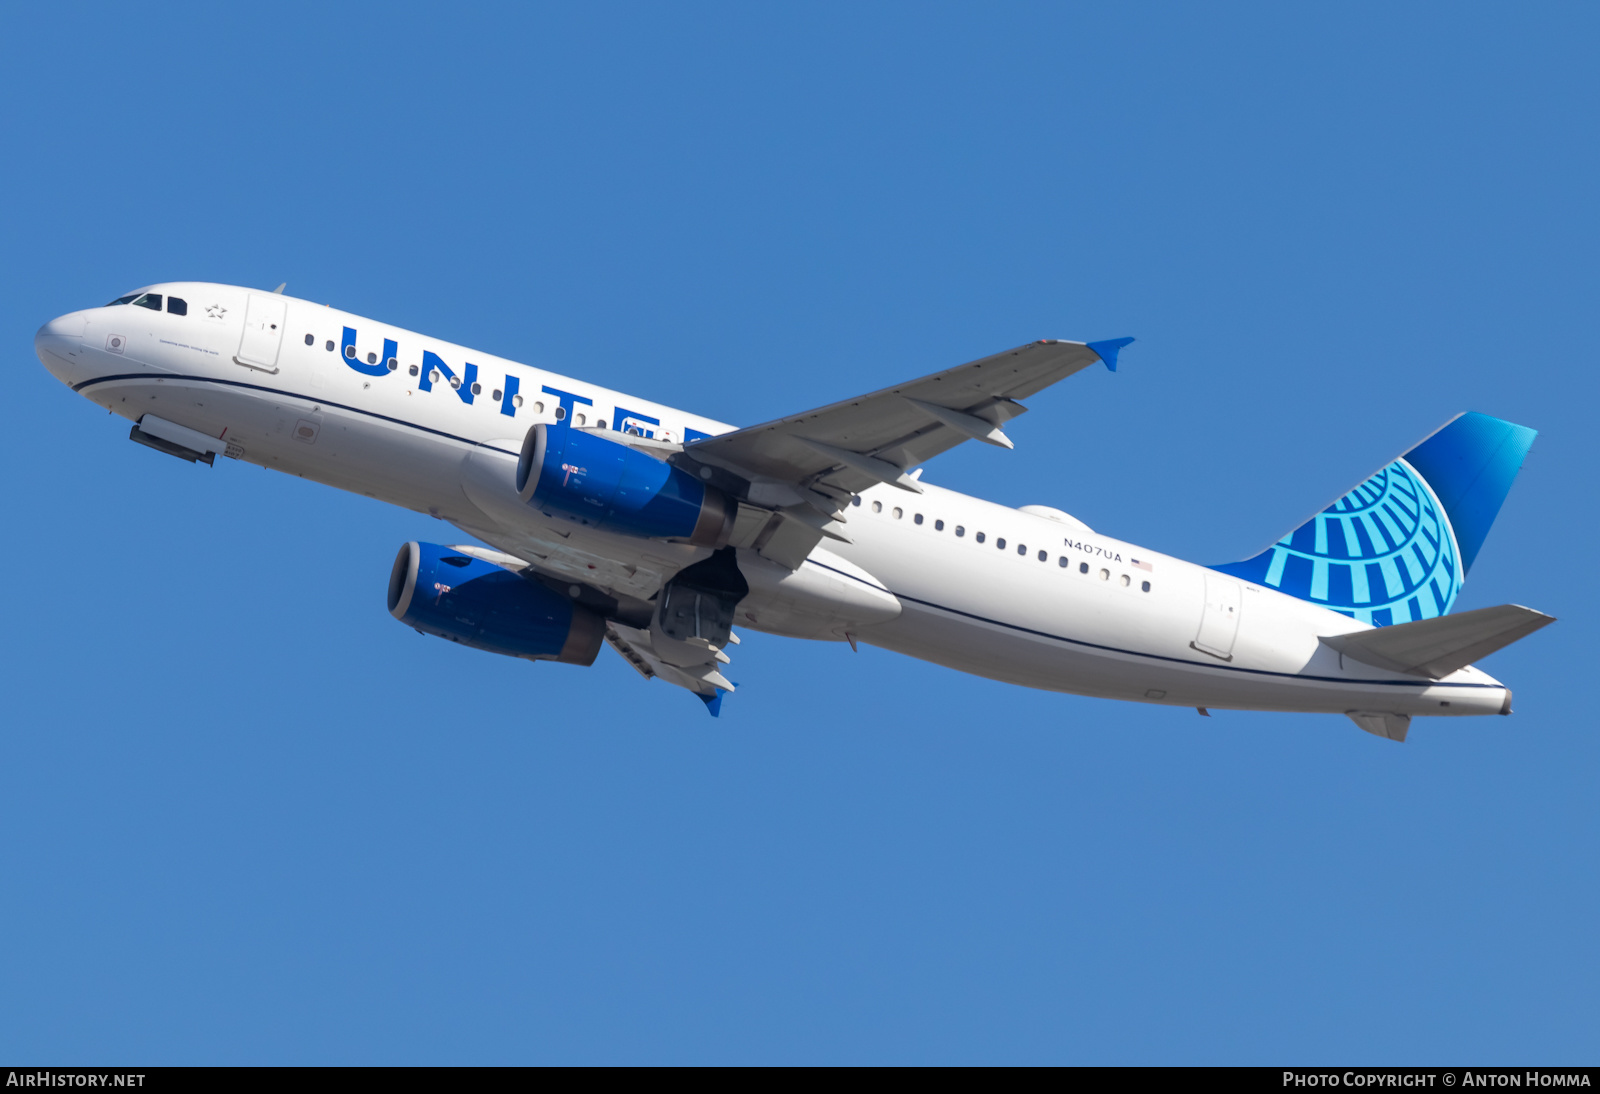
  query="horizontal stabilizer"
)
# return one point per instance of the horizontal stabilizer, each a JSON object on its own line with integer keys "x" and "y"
{"x": 1437, "y": 647}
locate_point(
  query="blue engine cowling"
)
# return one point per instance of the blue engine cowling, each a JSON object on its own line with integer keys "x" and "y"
{"x": 443, "y": 592}
{"x": 609, "y": 485}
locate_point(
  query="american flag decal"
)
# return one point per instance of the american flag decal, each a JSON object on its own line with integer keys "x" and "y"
{"x": 1145, "y": 566}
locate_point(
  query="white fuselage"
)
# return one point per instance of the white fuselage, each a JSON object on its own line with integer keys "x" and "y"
{"x": 1016, "y": 596}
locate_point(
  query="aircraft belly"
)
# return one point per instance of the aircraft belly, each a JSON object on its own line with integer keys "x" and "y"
{"x": 343, "y": 449}
{"x": 363, "y": 455}
{"x": 1008, "y": 655}
{"x": 827, "y": 598}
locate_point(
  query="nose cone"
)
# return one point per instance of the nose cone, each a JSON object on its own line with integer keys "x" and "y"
{"x": 59, "y": 343}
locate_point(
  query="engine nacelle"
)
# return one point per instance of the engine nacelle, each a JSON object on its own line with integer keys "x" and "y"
{"x": 446, "y": 593}
{"x": 609, "y": 485}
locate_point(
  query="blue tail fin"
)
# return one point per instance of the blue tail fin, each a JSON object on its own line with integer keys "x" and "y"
{"x": 1397, "y": 547}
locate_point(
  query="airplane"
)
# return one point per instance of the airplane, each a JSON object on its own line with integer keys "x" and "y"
{"x": 602, "y": 518}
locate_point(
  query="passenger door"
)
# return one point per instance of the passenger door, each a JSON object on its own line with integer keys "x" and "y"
{"x": 263, "y": 332}
{"x": 1219, "y": 624}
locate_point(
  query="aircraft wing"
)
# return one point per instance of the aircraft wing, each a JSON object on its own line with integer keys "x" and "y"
{"x": 807, "y": 466}
{"x": 902, "y": 425}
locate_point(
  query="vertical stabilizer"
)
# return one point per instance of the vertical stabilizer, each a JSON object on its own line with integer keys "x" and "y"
{"x": 1397, "y": 548}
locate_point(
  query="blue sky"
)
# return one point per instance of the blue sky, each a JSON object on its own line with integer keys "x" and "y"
{"x": 248, "y": 817}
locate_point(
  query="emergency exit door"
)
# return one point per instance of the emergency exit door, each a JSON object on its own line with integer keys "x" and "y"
{"x": 1219, "y": 624}
{"x": 263, "y": 332}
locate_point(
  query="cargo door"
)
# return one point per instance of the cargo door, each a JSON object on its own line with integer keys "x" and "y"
{"x": 263, "y": 332}
{"x": 1219, "y": 624}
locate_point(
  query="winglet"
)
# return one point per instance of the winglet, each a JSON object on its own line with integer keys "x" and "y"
{"x": 1107, "y": 351}
{"x": 713, "y": 702}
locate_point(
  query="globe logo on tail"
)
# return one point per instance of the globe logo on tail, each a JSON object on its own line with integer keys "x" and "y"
{"x": 1384, "y": 553}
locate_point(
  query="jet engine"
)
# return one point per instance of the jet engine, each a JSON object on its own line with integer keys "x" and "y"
{"x": 443, "y": 592}
{"x": 608, "y": 485}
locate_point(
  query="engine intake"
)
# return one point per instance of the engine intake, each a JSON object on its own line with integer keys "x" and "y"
{"x": 609, "y": 485}
{"x": 445, "y": 593}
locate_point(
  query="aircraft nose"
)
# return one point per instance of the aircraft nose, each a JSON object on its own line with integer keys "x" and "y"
{"x": 57, "y": 343}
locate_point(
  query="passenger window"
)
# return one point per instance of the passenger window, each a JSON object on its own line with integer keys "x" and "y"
{"x": 477, "y": 389}
{"x": 938, "y": 526}
{"x": 176, "y": 306}
{"x": 898, "y": 512}
{"x": 1044, "y": 556}
{"x": 329, "y": 345}
{"x": 1063, "y": 562}
{"x": 151, "y": 300}
{"x": 1105, "y": 575}
{"x": 516, "y": 401}
{"x": 917, "y": 519}
{"x": 601, "y": 423}
{"x": 350, "y": 352}
{"x": 1124, "y": 581}
{"x": 311, "y": 339}
{"x": 413, "y": 370}
{"x": 393, "y": 364}
{"x": 961, "y": 530}
{"x": 1083, "y": 567}
{"x": 372, "y": 358}
{"x": 496, "y": 395}
{"x": 1022, "y": 548}
{"x": 582, "y": 418}
{"x": 538, "y": 408}
{"x": 1000, "y": 544}
{"x": 455, "y": 383}
{"x": 979, "y": 537}
{"x": 1144, "y": 586}
{"x": 856, "y": 500}
{"x": 561, "y": 413}
{"x": 877, "y": 507}
{"x": 433, "y": 376}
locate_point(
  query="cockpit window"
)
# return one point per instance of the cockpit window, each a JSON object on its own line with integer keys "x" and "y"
{"x": 152, "y": 300}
